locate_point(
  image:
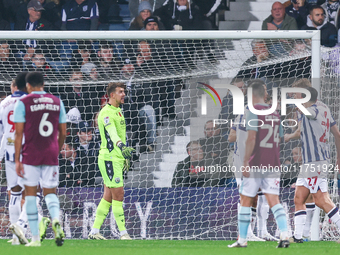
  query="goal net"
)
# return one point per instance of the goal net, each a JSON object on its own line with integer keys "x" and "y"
{"x": 175, "y": 85}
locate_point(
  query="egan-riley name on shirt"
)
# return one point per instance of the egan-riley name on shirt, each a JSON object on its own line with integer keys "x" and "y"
{"x": 39, "y": 107}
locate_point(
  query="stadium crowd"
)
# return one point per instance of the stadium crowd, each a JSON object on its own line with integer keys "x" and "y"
{"x": 84, "y": 65}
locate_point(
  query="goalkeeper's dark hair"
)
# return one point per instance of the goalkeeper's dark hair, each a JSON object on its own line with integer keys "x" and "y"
{"x": 36, "y": 79}
{"x": 20, "y": 81}
{"x": 111, "y": 87}
{"x": 313, "y": 94}
{"x": 258, "y": 87}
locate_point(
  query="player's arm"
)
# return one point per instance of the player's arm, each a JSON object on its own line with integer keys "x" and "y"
{"x": 250, "y": 145}
{"x": 232, "y": 135}
{"x": 250, "y": 142}
{"x": 62, "y": 126}
{"x": 295, "y": 135}
{"x": 112, "y": 130}
{"x": 19, "y": 120}
{"x": 336, "y": 133}
{"x": 2, "y": 143}
{"x": 62, "y": 135}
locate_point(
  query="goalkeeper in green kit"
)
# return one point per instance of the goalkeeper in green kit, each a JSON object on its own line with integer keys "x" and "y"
{"x": 114, "y": 158}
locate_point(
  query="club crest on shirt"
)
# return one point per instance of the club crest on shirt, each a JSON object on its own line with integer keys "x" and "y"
{"x": 106, "y": 120}
{"x": 117, "y": 180}
{"x": 85, "y": 8}
{"x": 122, "y": 122}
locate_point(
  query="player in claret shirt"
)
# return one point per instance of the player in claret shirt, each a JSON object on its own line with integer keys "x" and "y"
{"x": 41, "y": 118}
{"x": 261, "y": 166}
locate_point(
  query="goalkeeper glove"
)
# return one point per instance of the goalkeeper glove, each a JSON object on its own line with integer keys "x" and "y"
{"x": 126, "y": 151}
{"x": 126, "y": 165}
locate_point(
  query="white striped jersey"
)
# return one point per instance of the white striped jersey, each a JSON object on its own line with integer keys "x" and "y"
{"x": 7, "y": 125}
{"x": 315, "y": 131}
{"x": 239, "y": 125}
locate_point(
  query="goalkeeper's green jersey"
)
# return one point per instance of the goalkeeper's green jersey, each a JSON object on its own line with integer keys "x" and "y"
{"x": 112, "y": 128}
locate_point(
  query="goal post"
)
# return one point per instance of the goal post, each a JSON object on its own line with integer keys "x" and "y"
{"x": 168, "y": 78}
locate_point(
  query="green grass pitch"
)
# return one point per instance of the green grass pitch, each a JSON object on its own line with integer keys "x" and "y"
{"x": 165, "y": 247}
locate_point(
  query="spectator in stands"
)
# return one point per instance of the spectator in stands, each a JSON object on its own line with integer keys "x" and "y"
{"x": 73, "y": 118}
{"x": 278, "y": 74}
{"x": 27, "y": 53}
{"x": 88, "y": 150}
{"x": 291, "y": 171}
{"x": 151, "y": 23}
{"x": 214, "y": 145}
{"x": 278, "y": 20}
{"x": 83, "y": 55}
{"x": 299, "y": 10}
{"x": 34, "y": 22}
{"x": 4, "y": 24}
{"x": 51, "y": 12}
{"x": 193, "y": 170}
{"x": 77, "y": 95}
{"x": 332, "y": 12}
{"x": 89, "y": 70}
{"x": 299, "y": 47}
{"x": 39, "y": 64}
{"x": 180, "y": 15}
{"x": 87, "y": 146}
{"x": 69, "y": 165}
{"x": 9, "y": 66}
{"x": 316, "y": 21}
{"x": 208, "y": 8}
{"x": 260, "y": 51}
{"x": 145, "y": 11}
{"x": 108, "y": 66}
{"x": 78, "y": 164}
{"x": 80, "y": 15}
{"x": 227, "y": 103}
{"x": 9, "y": 8}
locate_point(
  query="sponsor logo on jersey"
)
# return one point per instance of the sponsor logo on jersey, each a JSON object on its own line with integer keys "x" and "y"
{"x": 10, "y": 141}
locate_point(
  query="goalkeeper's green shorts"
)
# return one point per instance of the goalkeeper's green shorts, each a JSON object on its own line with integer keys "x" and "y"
{"x": 112, "y": 173}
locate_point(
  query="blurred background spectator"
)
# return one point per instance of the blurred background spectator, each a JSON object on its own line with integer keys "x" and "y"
{"x": 316, "y": 21}
{"x": 278, "y": 20}
{"x": 180, "y": 15}
{"x": 299, "y": 10}
{"x": 80, "y": 15}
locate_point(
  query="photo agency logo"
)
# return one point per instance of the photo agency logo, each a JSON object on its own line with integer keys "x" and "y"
{"x": 238, "y": 106}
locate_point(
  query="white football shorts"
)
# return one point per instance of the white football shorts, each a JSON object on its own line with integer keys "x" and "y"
{"x": 49, "y": 176}
{"x": 11, "y": 175}
{"x": 269, "y": 184}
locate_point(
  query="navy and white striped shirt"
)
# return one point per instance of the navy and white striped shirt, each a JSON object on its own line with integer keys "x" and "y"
{"x": 315, "y": 131}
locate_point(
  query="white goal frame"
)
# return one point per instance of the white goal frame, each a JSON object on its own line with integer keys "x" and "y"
{"x": 182, "y": 35}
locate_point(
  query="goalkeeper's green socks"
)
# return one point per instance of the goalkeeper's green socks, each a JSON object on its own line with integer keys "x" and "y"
{"x": 118, "y": 212}
{"x": 101, "y": 213}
